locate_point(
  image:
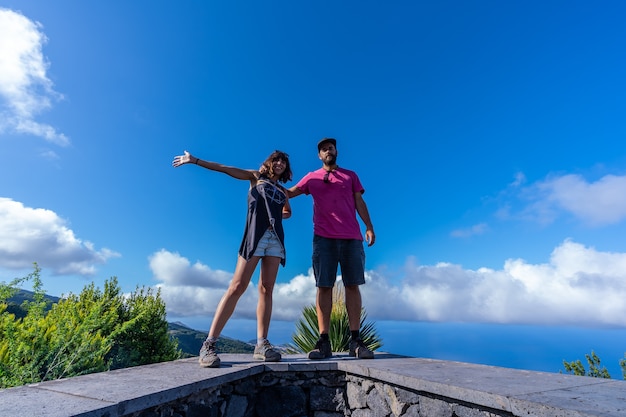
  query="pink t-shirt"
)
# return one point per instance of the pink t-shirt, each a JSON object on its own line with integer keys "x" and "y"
{"x": 334, "y": 208}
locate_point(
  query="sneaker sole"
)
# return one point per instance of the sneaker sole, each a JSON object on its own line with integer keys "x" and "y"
{"x": 215, "y": 364}
{"x": 317, "y": 356}
{"x": 264, "y": 359}
{"x": 354, "y": 355}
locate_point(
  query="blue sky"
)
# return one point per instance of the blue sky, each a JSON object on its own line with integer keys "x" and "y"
{"x": 489, "y": 137}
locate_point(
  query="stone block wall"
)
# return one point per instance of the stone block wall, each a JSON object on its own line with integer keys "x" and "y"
{"x": 313, "y": 394}
{"x": 284, "y": 394}
{"x": 368, "y": 398}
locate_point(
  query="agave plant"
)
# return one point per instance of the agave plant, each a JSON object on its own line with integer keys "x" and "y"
{"x": 307, "y": 330}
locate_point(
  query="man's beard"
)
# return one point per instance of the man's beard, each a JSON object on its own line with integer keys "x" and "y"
{"x": 330, "y": 160}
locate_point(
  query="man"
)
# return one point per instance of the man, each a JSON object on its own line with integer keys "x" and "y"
{"x": 337, "y": 240}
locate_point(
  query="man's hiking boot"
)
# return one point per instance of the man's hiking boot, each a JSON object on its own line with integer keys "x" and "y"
{"x": 208, "y": 356}
{"x": 359, "y": 350}
{"x": 266, "y": 352}
{"x": 321, "y": 351}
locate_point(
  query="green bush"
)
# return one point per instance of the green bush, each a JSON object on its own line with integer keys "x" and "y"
{"x": 596, "y": 370}
{"x": 91, "y": 332}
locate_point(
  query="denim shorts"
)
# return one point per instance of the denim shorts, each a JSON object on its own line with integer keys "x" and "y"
{"x": 269, "y": 245}
{"x": 328, "y": 254}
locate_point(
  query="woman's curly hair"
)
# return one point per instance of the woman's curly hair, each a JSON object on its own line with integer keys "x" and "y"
{"x": 267, "y": 169}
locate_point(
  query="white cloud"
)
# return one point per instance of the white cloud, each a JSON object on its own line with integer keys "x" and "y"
{"x": 30, "y": 235}
{"x": 195, "y": 290}
{"x": 172, "y": 269}
{"x": 596, "y": 204}
{"x": 49, "y": 155}
{"x": 578, "y": 286}
{"x": 25, "y": 89}
{"x": 477, "y": 229}
{"x": 520, "y": 179}
{"x": 291, "y": 297}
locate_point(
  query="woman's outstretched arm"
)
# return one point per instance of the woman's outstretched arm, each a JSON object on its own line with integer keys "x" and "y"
{"x": 239, "y": 173}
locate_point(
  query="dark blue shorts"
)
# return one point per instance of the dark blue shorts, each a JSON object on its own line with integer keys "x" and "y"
{"x": 328, "y": 254}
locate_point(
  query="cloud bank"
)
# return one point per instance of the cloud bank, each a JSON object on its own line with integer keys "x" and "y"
{"x": 30, "y": 235}
{"x": 25, "y": 89}
{"x": 578, "y": 286}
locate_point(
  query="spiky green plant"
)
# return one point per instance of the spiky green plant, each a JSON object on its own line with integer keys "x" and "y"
{"x": 307, "y": 330}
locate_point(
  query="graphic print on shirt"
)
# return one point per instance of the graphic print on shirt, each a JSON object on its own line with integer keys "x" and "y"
{"x": 272, "y": 193}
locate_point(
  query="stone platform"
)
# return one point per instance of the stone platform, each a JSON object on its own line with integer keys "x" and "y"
{"x": 475, "y": 390}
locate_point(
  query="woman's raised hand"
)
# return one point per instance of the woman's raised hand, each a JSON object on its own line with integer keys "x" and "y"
{"x": 181, "y": 159}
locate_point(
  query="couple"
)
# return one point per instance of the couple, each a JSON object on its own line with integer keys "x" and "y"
{"x": 337, "y": 197}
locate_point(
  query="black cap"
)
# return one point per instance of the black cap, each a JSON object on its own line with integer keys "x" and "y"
{"x": 326, "y": 140}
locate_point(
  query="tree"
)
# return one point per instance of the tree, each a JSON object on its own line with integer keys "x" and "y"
{"x": 143, "y": 336}
{"x": 577, "y": 367}
{"x": 91, "y": 332}
{"x": 307, "y": 330}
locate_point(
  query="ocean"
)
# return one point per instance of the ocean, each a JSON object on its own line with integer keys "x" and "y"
{"x": 536, "y": 348}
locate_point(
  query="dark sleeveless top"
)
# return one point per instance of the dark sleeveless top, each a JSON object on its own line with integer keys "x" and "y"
{"x": 258, "y": 220}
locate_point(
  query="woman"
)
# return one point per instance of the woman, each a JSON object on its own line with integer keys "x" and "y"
{"x": 263, "y": 240}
